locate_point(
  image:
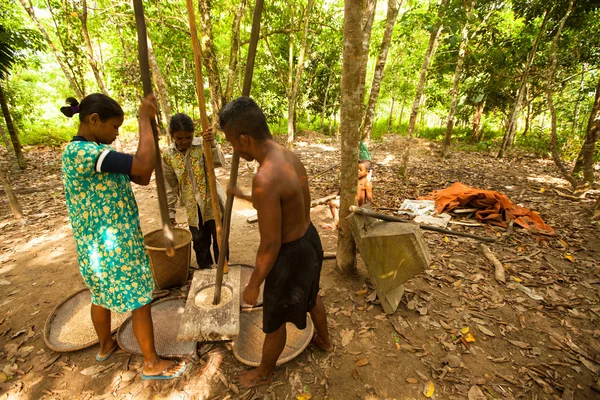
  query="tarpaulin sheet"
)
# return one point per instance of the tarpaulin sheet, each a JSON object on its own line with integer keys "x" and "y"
{"x": 493, "y": 207}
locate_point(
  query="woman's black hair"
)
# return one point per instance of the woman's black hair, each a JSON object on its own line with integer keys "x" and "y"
{"x": 96, "y": 103}
{"x": 181, "y": 122}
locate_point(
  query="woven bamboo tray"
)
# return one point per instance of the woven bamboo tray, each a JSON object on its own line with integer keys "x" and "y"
{"x": 247, "y": 348}
{"x": 166, "y": 316}
{"x": 69, "y": 326}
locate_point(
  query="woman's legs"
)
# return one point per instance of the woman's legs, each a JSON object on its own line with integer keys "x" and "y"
{"x": 101, "y": 321}
{"x": 143, "y": 330}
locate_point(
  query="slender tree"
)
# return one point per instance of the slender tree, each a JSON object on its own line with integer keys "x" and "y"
{"x": 234, "y": 51}
{"x": 436, "y": 31}
{"x": 457, "y": 74}
{"x": 549, "y": 91}
{"x": 392, "y": 14}
{"x": 83, "y": 17}
{"x": 210, "y": 59}
{"x": 294, "y": 85}
{"x": 80, "y": 92}
{"x": 509, "y": 135}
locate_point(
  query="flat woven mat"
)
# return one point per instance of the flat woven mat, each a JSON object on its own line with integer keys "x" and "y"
{"x": 245, "y": 274}
{"x": 166, "y": 315}
{"x": 69, "y": 326}
{"x": 247, "y": 348}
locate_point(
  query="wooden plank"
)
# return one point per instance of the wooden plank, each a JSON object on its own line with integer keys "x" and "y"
{"x": 211, "y": 325}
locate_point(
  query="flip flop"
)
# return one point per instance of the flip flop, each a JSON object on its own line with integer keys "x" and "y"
{"x": 162, "y": 375}
{"x": 106, "y": 357}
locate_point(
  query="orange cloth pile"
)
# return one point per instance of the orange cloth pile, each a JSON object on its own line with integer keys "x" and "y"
{"x": 494, "y": 207}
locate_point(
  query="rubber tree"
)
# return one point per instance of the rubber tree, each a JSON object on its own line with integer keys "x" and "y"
{"x": 295, "y": 81}
{"x": 392, "y": 15}
{"x": 549, "y": 95}
{"x": 234, "y": 51}
{"x": 13, "y": 202}
{"x": 353, "y": 69}
{"x": 83, "y": 17}
{"x": 10, "y": 127}
{"x": 462, "y": 49}
{"x": 67, "y": 68}
{"x": 160, "y": 84}
{"x": 509, "y": 135}
{"x": 436, "y": 31}
{"x": 210, "y": 59}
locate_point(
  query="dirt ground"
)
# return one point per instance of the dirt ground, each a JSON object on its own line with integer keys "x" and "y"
{"x": 457, "y": 333}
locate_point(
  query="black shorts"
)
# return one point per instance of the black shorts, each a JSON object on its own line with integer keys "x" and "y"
{"x": 292, "y": 285}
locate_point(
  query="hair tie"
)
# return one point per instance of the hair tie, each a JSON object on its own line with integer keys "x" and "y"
{"x": 75, "y": 109}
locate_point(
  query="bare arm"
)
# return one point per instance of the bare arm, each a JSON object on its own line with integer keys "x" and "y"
{"x": 172, "y": 187}
{"x": 238, "y": 193}
{"x": 369, "y": 192}
{"x": 268, "y": 205}
{"x": 145, "y": 156}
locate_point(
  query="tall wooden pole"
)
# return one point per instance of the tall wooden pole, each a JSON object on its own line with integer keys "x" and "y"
{"x": 235, "y": 159}
{"x": 212, "y": 180}
{"x": 140, "y": 24}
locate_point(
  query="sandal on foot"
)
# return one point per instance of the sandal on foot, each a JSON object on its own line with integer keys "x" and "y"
{"x": 107, "y": 356}
{"x": 162, "y": 375}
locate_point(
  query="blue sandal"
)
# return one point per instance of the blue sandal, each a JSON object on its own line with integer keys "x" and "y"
{"x": 162, "y": 375}
{"x": 106, "y": 357}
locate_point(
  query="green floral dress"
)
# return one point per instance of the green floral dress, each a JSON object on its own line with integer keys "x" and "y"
{"x": 106, "y": 226}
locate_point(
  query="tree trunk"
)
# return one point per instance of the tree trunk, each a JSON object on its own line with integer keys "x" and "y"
{"x": 367, "y": 19}
{"x": 15, "y": 207}
{"x": 401, "y": 112}
{"x": 436, "y": 31}
{"x": 353, "y": 68}
{"x": 392, "y": 14}
{"x": 325, "y": 101}
{"x": 90, "y": 50}
{"x": 591, "y": 137}
{"x": 294, "y": 89}
{"x": 528, "y": 107}
{"x": 508, "y": 139}
{"x": 210, "y": 60}
{"x": 12, "y": 131}
{"x": 9, "y": 148}
{"x": 391, "y": 117}
{"x": 160, "y": 84}
{"x": 549, "y": 88}
{"x": 235, "y": 49}
{"x": 70, "y": 78}
{"x": 457, "y": 72}
{"x": 477, "y": 122}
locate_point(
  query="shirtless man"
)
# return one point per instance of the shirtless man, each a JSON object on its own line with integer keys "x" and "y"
{"x": 290, "y": 255}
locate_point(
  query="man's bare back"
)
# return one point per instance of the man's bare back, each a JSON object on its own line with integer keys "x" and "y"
{"x": 282, "y": 173}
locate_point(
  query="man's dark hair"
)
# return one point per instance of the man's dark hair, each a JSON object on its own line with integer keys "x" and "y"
{"x": 181, "y": 122}
{"x": 97, "y": 103}
{"x": 244, "y": 116}
{"x": 367, "y": 163}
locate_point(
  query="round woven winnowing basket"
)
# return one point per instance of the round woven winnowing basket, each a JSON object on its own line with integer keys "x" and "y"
{"x": 245, "y": 274}
{"x": 247, "y": 347}
{"x": 166, "y": 316}
{"x": 69, "y": 326}
{"x": 169, "y": 272}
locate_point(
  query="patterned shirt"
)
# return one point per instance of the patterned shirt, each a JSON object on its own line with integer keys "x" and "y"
{"x": 187, "y": 180}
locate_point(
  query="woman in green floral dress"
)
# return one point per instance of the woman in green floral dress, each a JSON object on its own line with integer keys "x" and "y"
{"x": 104, "y": 216}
